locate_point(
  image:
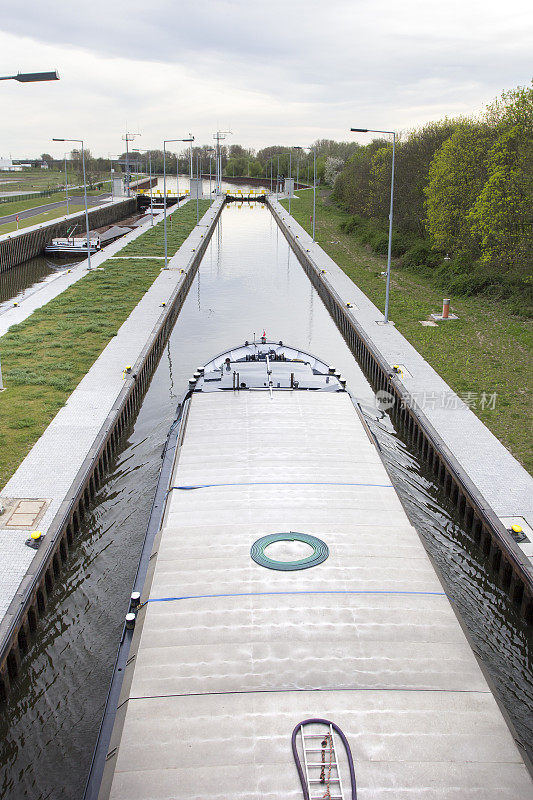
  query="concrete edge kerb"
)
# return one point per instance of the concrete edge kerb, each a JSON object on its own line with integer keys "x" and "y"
{"x": 10, "y": 623}
{"x": 522, "y": 563}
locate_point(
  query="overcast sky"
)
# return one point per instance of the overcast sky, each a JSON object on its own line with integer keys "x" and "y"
{"x": 271, "y": 71}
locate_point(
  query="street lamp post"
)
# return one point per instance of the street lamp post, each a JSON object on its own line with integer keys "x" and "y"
{"x": 389, "y": 250}
{"x": 151, "y": 188}
{"x": 129, "y": 137}
{"x": 178, "y": 179}
{"x": 178, "y": 169}
{"x": 149, "y": 154}
{"x": 197, "y": 185}
{"x": 313, "y": 151}
{"x": 191, "y": 140}
{"x": 210, "y": 153}
{"x": 271, "y": 159}
{"x": 30, "y": 77}
{"x": 314, "y": 193}
{"x": 218, "y": 136}
{"x": 66, "y": 183}
{"x": 167, "y": 141}
{"x": 290, "y": 178}
{"x": 80, "y": 141}
{"x": 297, "y": 165}
{"x": 112, "y": 173}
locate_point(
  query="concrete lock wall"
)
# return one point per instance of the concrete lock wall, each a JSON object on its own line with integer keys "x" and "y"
{"x": 18, "y": 247}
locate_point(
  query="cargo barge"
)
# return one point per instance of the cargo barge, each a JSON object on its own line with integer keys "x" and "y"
{"x": 288, "y": 636}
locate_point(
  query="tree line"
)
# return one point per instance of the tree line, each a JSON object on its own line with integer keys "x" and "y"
{"x": 280, "y": 160}
{"x": 463, "y": 198}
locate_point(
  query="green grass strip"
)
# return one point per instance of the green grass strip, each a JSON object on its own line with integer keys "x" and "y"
{"x": 46, "y": 356}
{"x": 153, "y": 243}
{"x": 486, "y": 351}
{"x": 15, "y": 206}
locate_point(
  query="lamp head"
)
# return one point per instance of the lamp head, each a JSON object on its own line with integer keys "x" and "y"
{"x": 30, "y": 77}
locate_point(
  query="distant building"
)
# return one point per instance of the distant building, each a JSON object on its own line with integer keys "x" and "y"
{"x": 6, "y": 165}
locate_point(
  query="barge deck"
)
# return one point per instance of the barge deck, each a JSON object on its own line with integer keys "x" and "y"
{"x": 228, "y": 656}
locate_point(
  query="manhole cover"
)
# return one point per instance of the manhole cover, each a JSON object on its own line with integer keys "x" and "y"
{"x": 23, "y": 513}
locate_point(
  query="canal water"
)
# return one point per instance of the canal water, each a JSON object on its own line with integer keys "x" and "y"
{"x": 30, "y": 276}
{"x": 27, "y": 278}
{"x": 249, "y": 280}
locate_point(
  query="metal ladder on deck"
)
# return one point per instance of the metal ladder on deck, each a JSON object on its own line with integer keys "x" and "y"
{"x": 322, "y": 771}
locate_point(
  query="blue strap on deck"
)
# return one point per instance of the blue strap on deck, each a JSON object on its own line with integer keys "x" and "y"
{"x": 280, "y": 483}
{"x": 320, "y": 591}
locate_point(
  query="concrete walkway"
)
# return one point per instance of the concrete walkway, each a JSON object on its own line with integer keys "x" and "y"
{"x": 50, "y": 467}
{"x": 503, "y": 482}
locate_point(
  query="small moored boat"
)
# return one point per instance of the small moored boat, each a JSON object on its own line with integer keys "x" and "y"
{"x": 71, "y": 245}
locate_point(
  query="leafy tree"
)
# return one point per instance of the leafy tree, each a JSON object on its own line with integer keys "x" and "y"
{"x": 332, "y": 169}
{"x": 457, "y": 175}
{"x": 378, "y": 203}
{"x": 351, "y": 186}
{"x": 502, "y": 216}
{"x": 413, "y": 157}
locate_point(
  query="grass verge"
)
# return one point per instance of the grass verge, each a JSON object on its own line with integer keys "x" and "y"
{"x": 486, "y": 351}
{"x": 153, "y": 243}
{"x": 42, "y": 179}
{"x": 45, "y": 357}
{"x": 15, "y": 206}
{"x": 58, "y": 197}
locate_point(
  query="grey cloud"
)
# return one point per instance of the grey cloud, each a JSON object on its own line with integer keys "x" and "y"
{"x": 322, "y": 62}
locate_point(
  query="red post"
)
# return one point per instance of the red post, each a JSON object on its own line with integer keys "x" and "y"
{"x": 445, "y": 309}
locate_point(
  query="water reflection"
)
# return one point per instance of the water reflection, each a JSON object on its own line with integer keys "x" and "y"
{"x": 25, "y": 278}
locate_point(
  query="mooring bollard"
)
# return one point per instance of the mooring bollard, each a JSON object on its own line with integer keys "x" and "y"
{"x": 445, "y": 308}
